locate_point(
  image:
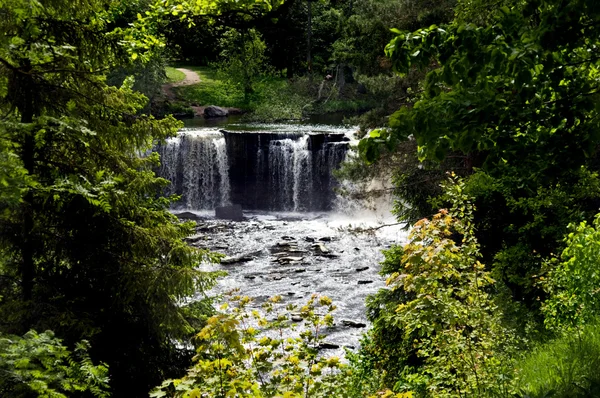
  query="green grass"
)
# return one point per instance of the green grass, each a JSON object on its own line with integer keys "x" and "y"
{"x": 273, "y": 99}
{"x": 211, "y": 90}
{"x": 173, "y": 75}
{"x": 568, "y": 367}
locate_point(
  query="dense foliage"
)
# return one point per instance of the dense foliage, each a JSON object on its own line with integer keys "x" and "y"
{"x": 496, "y": 296}
{"x": 88, "y": 248}
{"x": 39, "y": 365}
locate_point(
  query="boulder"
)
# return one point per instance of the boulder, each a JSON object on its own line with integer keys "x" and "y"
{"x": 187, "y": 215}
{"x": 212, "y": 111}
{"x": 233, "y": 213}
{"x": 353, "y": 324}
{"x": 236, "y": 259}
{"x": 241, "y": 258}
{"x": 361, "y": 269}
{"x": 328, "y": 346}
{"x": 320, "y": 248}
{"x": 194, "y": 238}
{"x": 290, "y": 259}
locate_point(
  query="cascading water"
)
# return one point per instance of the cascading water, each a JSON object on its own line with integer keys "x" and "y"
{"x": 290, "y": 166}
{"x": 260, "y": 170}
{"x": 197, "y": 166}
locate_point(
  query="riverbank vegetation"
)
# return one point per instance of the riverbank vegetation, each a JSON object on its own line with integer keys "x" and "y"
{"x": 484, "y": 112}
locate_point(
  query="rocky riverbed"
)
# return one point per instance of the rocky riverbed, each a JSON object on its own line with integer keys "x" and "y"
{"x": 298, "y": 255}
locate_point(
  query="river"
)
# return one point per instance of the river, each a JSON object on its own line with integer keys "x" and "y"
{"x": 298, "y": 237}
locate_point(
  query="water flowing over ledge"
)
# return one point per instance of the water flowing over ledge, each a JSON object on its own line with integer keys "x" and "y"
{"x": 266, "y": 169}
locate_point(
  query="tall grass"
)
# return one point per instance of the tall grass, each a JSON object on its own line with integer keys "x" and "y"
{"x": 568, "y": 367}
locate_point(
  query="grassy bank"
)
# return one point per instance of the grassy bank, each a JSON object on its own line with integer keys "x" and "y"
{"x": 273, "y": 98}
{"x": 174, "y": 75}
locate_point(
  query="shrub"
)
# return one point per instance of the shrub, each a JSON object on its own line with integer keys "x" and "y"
{"x": 37, "y": 364}
{"x": 439, "y": 316}
{"x": 573, "y": 285}
{"x": 244, "y": 352}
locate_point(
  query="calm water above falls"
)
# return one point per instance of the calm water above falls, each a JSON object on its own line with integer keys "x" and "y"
{"x": 296, "y": 240}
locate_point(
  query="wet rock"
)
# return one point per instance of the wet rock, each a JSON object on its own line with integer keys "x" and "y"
{"x": 210, "y": 228}
{"x": 186, "y": 215}
{"x": 330, "y": 255}
{"x": 289, "y": 260}
{"x": 241, "y": 258}
{"x": 357, "y": 249}
{"x": 233, "y": 213}
{"x": 328, "y": 346}
{"x": 236, "y": 259}
{"x": 287, "y": 243}
{"x": 309, "y": 239}
{"x": 194, "y": 238}
{"x": 320, "y": 248}
{"x": 364, "y": 282}
{"x": 299, "y": 270}
{"x": 251, "y": 277}
{"x": 212, "y": 111}
{"x": 361, "y": 269}
{"x": 326, "y": 239}
{"x": 353, "y": 324}
{"x": 297, "y": 251}
{"x": 287, "y": 238}
{"x": 296, "y": 318}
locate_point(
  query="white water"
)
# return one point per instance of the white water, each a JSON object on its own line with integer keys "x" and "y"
{"x": 290, "y": 163}
{"x": 347, "y": 278}
{"x": 199, "y": 159}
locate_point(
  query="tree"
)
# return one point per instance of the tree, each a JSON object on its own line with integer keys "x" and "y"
{"x": 88, "y": 248}
{"x": 438, "y": 324}
{"x": 518, "y": 99}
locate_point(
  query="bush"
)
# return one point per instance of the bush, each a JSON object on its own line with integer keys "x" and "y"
{"x": 442, "y": 322}
{"x": 574, "y": 284}
{"x": 38, "y": 365}
{"x": 245, "y": 352}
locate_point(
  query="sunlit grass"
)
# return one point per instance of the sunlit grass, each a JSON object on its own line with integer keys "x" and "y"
{"x": 567, "y": 367}
{"x": 173, "y": 75}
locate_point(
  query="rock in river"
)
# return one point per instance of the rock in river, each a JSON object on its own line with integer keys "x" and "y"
{"x": 213, "y": 111}
{"x": 233, "y": 213}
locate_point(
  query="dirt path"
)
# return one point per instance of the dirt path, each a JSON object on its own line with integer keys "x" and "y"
{"x": 191, "y": 78}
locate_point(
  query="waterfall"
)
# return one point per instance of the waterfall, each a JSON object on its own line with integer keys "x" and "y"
{"x": 290, "y": 166}
{"x": 197, "y": 166}
{"x": 288, "y": 171}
